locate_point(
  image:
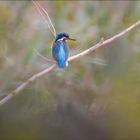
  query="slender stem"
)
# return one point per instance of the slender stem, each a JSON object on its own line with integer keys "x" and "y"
{"x": 47, "y": 20}
{"x": 43, "y": 57}
{"x": 47, "y": 70}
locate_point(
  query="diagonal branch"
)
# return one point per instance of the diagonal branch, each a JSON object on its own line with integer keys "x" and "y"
{"x": 47, "y": 70}
{"x": 104, "y": 42}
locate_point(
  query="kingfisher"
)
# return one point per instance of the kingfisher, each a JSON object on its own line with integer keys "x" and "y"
{"x": 60, "y": 49}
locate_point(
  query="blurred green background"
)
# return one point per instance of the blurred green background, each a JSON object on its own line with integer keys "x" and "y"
{"x": 97, "y": 96}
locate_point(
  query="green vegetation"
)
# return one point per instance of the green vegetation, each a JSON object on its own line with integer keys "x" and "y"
{"x": 88, "y": 99}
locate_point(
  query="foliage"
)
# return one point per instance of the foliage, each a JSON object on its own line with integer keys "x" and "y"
{"x": 96, "y": 96}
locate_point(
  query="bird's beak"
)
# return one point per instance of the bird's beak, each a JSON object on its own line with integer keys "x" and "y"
{"x": 71, "y": 39}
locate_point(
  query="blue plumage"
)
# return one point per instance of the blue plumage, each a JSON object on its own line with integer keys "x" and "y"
{"x": 60, "y": 53}
{"x": 60, "y": 50}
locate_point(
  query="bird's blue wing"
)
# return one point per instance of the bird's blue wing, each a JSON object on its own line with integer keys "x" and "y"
{"x": 55, "y": 50}
{"x": 66, "y": 49}
{"x": 60, "y": 53}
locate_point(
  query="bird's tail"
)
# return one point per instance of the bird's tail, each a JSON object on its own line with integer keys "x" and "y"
{"x": 62, "y": 60}
{"x": 61, "y": 63}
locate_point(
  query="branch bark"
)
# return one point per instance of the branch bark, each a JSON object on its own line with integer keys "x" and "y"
{"x": 47, "y": 70}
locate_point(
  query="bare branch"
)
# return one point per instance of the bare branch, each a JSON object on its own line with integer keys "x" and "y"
{"x": 47, "y": 70}
{"x": 23, "y": 85}
{"x": 104, "y": 42}
{"x": 44, "y": 14}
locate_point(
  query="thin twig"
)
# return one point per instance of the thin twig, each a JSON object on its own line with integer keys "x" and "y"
{"x": 43, "y": 57}
{"x": 47, "y": 20}
{"x": 47, "y": 70}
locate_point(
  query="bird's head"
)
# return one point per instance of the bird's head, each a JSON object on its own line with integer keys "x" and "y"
{"x": 63, "y": 36}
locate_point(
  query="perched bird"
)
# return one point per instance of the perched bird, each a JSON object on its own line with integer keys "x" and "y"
{"x": 60, "y": 49}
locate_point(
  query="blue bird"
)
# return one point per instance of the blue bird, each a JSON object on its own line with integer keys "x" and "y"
{"x": 60, "y": 49}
